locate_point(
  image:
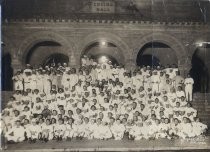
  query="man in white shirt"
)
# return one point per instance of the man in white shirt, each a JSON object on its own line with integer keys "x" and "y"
{"x": 118, "y": 130}
{"x": 155, "y": 79}
{"x": 18, "y": 81}
{"x": 59, "y": 130}
{"x": 33, "y": 131}
{"x": 27, "y": 79}
{"x": 188, "y": 87}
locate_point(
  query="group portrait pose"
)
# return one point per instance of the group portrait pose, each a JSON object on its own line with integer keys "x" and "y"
{"x": 100, "y": 101}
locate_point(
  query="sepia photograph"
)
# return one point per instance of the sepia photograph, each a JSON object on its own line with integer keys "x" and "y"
{"x": 105, "y": 75}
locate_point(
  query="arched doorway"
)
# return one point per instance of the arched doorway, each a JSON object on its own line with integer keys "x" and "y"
{"x": 7, "y": 72}
{"x": 148, "y": 59}
{"x": 200, "y": 69}
{"x": 104, "y": 50}
{"x": 102, "y": 57}
{"x": 45, "y": 52}
{"x": 156, "y": 53}
{"x": 55, "y": 59}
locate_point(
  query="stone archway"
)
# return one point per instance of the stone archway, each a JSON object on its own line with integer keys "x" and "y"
{"x": 156, "y": 53}
{"x": 107, "y": 37}
{"x": 200, "y": 69}
{"x": 43, "y": 36}
{"x": 107, "y": 50}
{"x": 55, "y": 58}
{"x": 169, "y": 40}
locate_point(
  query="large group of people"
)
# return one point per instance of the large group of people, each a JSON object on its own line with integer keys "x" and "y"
{"x": 100, "y": 101}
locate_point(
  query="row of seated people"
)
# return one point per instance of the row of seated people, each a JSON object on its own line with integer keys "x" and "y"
{"x": 101, "y": 123}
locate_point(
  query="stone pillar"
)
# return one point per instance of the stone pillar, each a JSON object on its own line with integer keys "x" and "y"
{"x": 73, "y": 60}
{"x": 185, "y": 66}
{"x": 184, "y": 70}
{"x": 130, "y": 64}
{"x": 16, "y": 65}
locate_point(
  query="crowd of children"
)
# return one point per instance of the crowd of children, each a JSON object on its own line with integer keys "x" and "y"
{"x": 100, "y": 101}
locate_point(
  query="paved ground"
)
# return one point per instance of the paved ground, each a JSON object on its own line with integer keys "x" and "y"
{"x": 112, "y": 145}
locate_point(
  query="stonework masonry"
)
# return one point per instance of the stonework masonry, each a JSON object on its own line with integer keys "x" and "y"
{"x": 19, "y": 36}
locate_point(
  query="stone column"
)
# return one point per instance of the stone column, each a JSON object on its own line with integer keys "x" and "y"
{"x": 184, "y": 66}
{"x": 74, "y": 60}
{"x": 16, "y": 65}
{"x": 130, "y": 64}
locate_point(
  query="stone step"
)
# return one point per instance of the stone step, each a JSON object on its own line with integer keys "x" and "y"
{"x": 204, "y": 112}
{"x": 201, "y": 95}
{"x": 200, "y": 98}
{"x": 199, "y": 106}
{"x": 198, "y": 103}
{"x": 200, "y": 110}
{"x": 207, "y": 107}
{"x": 205, "y": 122}
{"x": 204, "y": 117}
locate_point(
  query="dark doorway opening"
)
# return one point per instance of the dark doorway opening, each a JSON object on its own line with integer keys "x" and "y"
{"x": 7, "y": 73}
{"x": 104, "y": 50}
{"x": 32, "y": 51}
{"x": 100, "y": 57}
{"x": 156, "y": 54}
{"x": 199, "y": 73}
{"x": 148, "y": 60}
{"x": 55, "y": 59}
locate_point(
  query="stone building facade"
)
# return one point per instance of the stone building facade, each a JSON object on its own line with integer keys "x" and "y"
{"x": 183, "y": 38}
{"x": 129, "y": 31}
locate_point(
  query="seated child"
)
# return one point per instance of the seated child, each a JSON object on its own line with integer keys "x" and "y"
{"x": 16, "y": 133}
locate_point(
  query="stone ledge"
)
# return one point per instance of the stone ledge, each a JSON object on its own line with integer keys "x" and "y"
{"x": 44, "y": 20}
{"x": 112, "y": 145}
